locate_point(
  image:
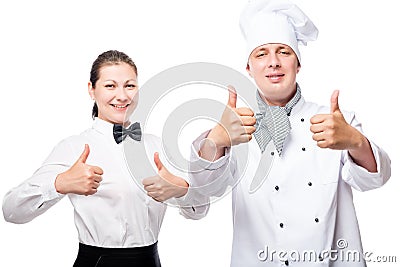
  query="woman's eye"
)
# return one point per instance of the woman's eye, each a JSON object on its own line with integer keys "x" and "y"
{"x": 109, "y": 86}
{"x": 130, "y": 86}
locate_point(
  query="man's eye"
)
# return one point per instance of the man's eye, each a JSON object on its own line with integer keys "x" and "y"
{"x": 285, "y": 52}
{"x": 260, "y": 54}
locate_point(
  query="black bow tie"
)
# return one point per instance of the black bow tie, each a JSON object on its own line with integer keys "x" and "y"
{"x": 133, "y": 131}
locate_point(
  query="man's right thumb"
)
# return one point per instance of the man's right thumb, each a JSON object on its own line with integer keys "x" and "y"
{"x": 232, "y": 96}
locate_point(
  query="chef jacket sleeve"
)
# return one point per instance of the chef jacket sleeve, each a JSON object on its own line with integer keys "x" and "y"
{"x": 207, "y": 178}
{"x": 360, "y": 178}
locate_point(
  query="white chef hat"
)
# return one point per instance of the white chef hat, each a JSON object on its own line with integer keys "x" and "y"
{"x": 276, "y": 21}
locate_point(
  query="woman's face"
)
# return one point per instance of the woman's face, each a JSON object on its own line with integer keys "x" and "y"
{"x": 115, "y": 92}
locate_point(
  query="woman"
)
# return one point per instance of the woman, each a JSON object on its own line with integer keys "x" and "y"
{"x": 117, "y": 223}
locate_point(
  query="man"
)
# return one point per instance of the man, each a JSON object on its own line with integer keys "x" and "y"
{"x": 292, "y": 198}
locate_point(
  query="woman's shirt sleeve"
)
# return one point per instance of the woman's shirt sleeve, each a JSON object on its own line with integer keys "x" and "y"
{"x": 37, "y": 194}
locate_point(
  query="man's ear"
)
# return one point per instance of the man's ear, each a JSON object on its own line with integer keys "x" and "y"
{"x": 298, "y": 66}
{"x": 248, "y": 70}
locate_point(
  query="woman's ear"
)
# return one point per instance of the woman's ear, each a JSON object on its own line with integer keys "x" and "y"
{"x": 91, "y": 90}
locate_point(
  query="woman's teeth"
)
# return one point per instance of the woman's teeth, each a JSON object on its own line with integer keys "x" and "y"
{"x": 118, "y": 106}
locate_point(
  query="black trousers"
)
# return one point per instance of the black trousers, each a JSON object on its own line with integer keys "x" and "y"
{"x": 90, "y": 256}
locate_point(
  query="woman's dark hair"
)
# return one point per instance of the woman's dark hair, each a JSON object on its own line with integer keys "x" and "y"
{"x": 112, "y": 57}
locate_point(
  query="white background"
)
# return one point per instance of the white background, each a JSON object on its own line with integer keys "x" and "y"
{"x": 47, "y": 48}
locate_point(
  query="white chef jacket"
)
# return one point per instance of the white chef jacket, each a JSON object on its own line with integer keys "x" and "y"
{"x": 119, "y": 214}
{"x": 305, "y": 204}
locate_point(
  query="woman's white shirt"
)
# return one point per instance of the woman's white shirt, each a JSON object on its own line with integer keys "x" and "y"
{"x": 119, "y": 214}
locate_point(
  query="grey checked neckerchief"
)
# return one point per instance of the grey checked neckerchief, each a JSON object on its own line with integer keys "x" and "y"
{"x": 273, "y": 122}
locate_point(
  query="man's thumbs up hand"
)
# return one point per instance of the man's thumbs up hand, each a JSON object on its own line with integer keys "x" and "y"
{"x": 332, "y": 131}
{"x": 235, "y": 126}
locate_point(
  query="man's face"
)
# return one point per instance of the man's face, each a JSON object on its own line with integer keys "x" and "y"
{"x": 274, "y": 68}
